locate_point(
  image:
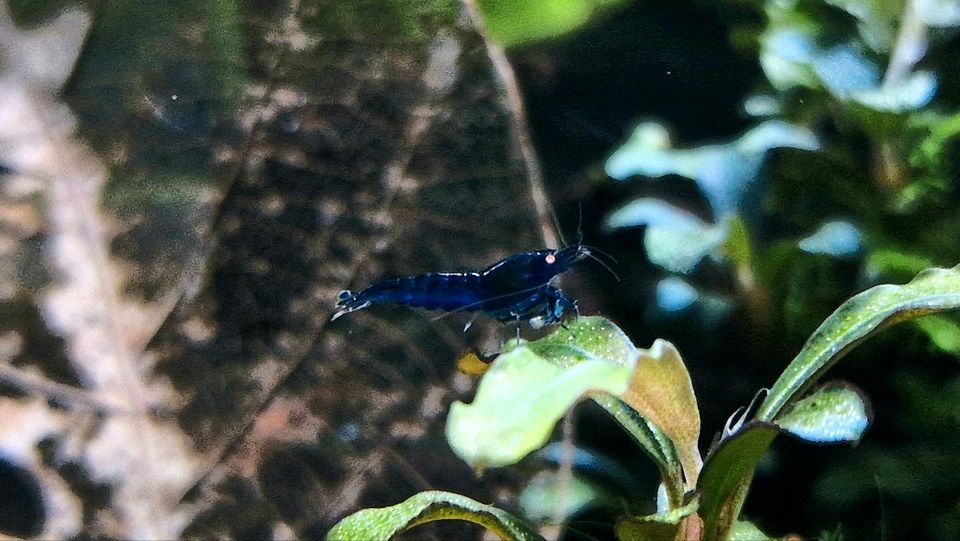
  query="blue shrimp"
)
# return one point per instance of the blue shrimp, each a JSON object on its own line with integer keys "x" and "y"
{"x": 514, "y": 289}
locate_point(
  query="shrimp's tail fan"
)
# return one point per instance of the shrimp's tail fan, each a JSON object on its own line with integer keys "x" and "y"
{"x": 347, "y": 302}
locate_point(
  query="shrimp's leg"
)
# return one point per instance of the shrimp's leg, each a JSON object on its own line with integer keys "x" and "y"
{"x": 518, "y": 327}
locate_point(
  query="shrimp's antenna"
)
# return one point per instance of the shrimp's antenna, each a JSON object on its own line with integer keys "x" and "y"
{"x": 597, "y": 251}
{"x": 556, "y": 225}
{"x": 579, "y": 223}
{"x": 588, "y": 251}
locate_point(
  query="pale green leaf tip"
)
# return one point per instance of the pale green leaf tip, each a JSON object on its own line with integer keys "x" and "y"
{"x": 834, "y": 413}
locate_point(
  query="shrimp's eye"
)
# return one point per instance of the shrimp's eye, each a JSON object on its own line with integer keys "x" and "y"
{"x": 551, "y": 259}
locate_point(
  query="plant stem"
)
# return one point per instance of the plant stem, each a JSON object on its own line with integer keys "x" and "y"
{"x": 889, "y": 171}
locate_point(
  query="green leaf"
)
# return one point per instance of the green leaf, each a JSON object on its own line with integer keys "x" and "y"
{"x": 892, "y": 264}
{"x": 737, "y": 245}
{"x": 661, "y": 391}
{"x": 524, "y": 21}
{"x": 833, "y": 413}
{"x": 943, "y": 331}
{"x": 933, "y": 290}
{"x": 726, "y": 476}
{"x": 934, "y": 150}
{"x": 668, "y": 526}
{"x": 527, "y": 390}
{"x": 430, "y": 506}
{"x": 747, "y": 531}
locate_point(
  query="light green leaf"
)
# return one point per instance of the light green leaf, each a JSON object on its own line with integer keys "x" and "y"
{"x": 791, "y": 56}
{"x": 527, "y": 390}
{"x": 653, "y": 212}
{"x": 675, "y": 295}
{"x": 661, "y": 391}
{"x": 909, "y": 95}
{"x": 668, "y": 526}
{"x": 845, "y": 70}
{"x": 586, "y": 338}
{"x": 722, "y": 171}
{"x": 681, "y": 250}
{"x": 675, "y": 239}
{"x": 834, "y": 413}
{"x": 785, "y": 55}
{"x": 547, "y": 496}
{"x": 726, "y": 476}
{"x": 386, "y": 522}
{"x": 762, "y": 105}
{"x": 835, "y": 238}
{"x": 933, "y": 290}
{"x": 599, "y": 339}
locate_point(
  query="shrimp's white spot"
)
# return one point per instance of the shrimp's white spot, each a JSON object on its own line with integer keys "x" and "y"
{"x": 551, "y": 259}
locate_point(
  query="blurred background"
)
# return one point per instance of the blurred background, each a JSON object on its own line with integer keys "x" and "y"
{"x": 186, "y": 186}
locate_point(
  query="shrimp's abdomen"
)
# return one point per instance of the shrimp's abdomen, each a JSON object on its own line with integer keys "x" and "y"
{"x": 432, "y": 291}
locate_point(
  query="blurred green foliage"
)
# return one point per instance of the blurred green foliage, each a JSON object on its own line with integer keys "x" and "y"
{"x": 868, "y": 194}
{"x": 518, "y": 22}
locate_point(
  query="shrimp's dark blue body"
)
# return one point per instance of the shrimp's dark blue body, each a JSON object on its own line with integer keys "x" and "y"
{"x": 514, "y": 289}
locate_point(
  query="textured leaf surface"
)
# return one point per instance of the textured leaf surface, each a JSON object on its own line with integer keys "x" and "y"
{"x": 933, "y": 290}
{"x": 834, "y": 413}
{"x": 384, "y": 523}
{"x": 186, "y": 210}
{"x": 527, "y": 390}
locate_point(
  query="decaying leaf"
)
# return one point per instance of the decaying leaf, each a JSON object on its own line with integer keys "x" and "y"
{"x": 186, "y": 197}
